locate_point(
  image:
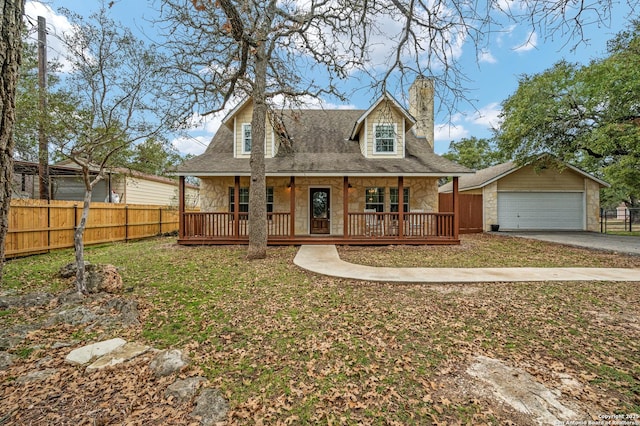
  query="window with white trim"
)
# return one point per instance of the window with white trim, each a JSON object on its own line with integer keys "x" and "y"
{"x": 385, "y": 138}
{"x": 246, "y": 138}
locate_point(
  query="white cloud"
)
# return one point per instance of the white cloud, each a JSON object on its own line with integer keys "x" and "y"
{"x": 194, "y": 145}
{"x": 487, "y": 57}
{"x": 449, "y": 132}
{"x": 530, "y": 43}
{"x": 57, "y": 25}
{"x": 487, "y": 116}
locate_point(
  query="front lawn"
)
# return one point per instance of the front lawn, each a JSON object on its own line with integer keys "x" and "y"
{"x": 290, "y": 347}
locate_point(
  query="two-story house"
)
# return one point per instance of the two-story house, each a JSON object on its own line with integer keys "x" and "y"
{"x": 341, "y": 176}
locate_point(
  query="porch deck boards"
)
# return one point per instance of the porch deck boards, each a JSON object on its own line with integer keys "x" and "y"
{"x": 327, "y": 239}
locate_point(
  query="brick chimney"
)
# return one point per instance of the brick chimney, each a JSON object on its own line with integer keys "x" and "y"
{"x": 421, "y": 106}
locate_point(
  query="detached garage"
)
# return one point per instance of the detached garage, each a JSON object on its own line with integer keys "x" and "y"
{"x": 540, "y": 197}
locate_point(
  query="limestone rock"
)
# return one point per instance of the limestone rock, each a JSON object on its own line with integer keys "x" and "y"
{"x": 87, "y": 353}
{"x": 97, "y": 277}
{"x": 37, "y": 376}
{"x": 521, "y": 391}
{"x": 26, "y": 301}
{"x": 128, "y": 310}
{"x": 185, "y": 389}
{"x": 211, "y": 407}
{"x": 74, "y": 316}
{"x": 124, "y": 353}
{"x": 168, "y": 362}
{"x": 71, "y": 269}
{"x": 6, "y": 359}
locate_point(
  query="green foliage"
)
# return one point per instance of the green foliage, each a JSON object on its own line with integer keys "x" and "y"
{"x": 28, "y": 116}
{"x": 153, "y": 156}
{"x": 474, "y": 153}
{"x": 586, "y": 115}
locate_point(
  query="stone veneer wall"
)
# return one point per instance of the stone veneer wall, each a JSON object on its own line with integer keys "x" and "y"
{"x": 592, "y": 195}
{"x": 490, "y": 205}
{"x": 423, "y": 194}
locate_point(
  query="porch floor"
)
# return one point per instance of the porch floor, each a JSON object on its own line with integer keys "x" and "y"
{"x": 315, "y": 239}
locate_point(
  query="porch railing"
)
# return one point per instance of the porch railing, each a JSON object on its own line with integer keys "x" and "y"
{"x": 415, "y": 225}
{"x": 222, "y": 225}
{"x": 212, "y": 226}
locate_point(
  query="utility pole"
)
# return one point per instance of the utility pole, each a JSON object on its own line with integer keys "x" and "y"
{"x": 43, "y": 145}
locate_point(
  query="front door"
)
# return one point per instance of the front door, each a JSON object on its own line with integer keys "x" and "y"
{"x": 320, "y": 211}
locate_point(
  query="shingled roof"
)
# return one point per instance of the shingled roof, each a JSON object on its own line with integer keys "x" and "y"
{"x": 486, "y": 176}
{"x": 320, "y": 146}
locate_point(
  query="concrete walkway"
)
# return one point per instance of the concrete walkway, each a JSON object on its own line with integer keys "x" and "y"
{"x": 324, "y": 259}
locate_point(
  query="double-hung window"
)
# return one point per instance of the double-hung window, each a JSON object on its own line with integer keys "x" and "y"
{"x": 385, "y": 139}
{"x": 243, "y": 200}
{"x": 394, "y": 199}
{"x": 374, "y": 199}
{"x": 246, "y": 138}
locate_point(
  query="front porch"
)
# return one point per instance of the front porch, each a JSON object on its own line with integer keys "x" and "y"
{"x": 357, "y": 228}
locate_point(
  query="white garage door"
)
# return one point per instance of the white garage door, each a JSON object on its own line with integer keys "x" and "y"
{"x": 541, "y": 210}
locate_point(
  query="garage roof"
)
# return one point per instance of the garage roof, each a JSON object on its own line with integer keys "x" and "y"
{"x": 484, "y": 177}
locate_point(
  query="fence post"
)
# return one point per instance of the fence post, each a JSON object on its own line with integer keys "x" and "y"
{"x": 160, "y": 221}
{"x": 126, "y": 223}
{"x": 48, "y": 227}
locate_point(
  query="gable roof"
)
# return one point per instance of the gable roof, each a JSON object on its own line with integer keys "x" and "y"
{"x": 484, "y": 177}
{"x": 321, "y": 146}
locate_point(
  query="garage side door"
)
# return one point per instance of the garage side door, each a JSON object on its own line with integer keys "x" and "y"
{"x": 541, "y": 210}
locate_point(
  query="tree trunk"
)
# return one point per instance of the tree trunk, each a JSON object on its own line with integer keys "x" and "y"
{"x": 257, "y": 189}
{"x": 10, "y": 56}
{"x": 78, "y": 243}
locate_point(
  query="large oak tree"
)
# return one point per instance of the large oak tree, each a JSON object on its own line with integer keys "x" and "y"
{"x": 11, "y": 25}
{"x": 587, "y": 115}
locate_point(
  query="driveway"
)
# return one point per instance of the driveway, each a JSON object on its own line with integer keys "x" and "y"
{"x": 592, "y": 240}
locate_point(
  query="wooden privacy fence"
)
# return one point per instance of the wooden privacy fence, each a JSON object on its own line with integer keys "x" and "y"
{"x": 37, "y": 226}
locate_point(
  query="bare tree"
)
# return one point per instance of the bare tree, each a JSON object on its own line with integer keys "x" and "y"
{"x": 115, "y": 84}
{"x": 10, "y": 55}
{"x": 269, "y": 49}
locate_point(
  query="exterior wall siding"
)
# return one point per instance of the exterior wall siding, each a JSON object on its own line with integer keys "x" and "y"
{"x": 490, "y": 202}
{"x": 592, "y": 207}
{"x": 141, "y": 191}
{"x": 385, "y": 113}
{"x": 528, "y": 179}
{"x": 244, "y": 116}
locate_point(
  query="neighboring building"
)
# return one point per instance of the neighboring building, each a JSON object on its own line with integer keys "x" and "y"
{"x": 347, "y": 176}
{"x": 535, "y": 197}
{"x": 130, "y": 186}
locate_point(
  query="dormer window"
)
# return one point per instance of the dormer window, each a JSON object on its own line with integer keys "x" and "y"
{"x": 385, "y": 139}
{"x": 246, "y": 138}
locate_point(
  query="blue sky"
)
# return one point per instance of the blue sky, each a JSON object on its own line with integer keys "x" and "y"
{"x": 493, "y": 75}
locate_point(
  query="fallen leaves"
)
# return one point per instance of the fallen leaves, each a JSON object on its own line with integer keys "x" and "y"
{"x": 289, "y": 347}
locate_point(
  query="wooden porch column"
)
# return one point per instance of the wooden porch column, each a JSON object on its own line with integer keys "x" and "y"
{"x": 236, "y": 207}
{"x": 292, "y": 207}
{"x": 345, "y": 206}
{"x": 400, "y": 207}
{"x": 181, "y": 195}
{"x": 456, "y": 209}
